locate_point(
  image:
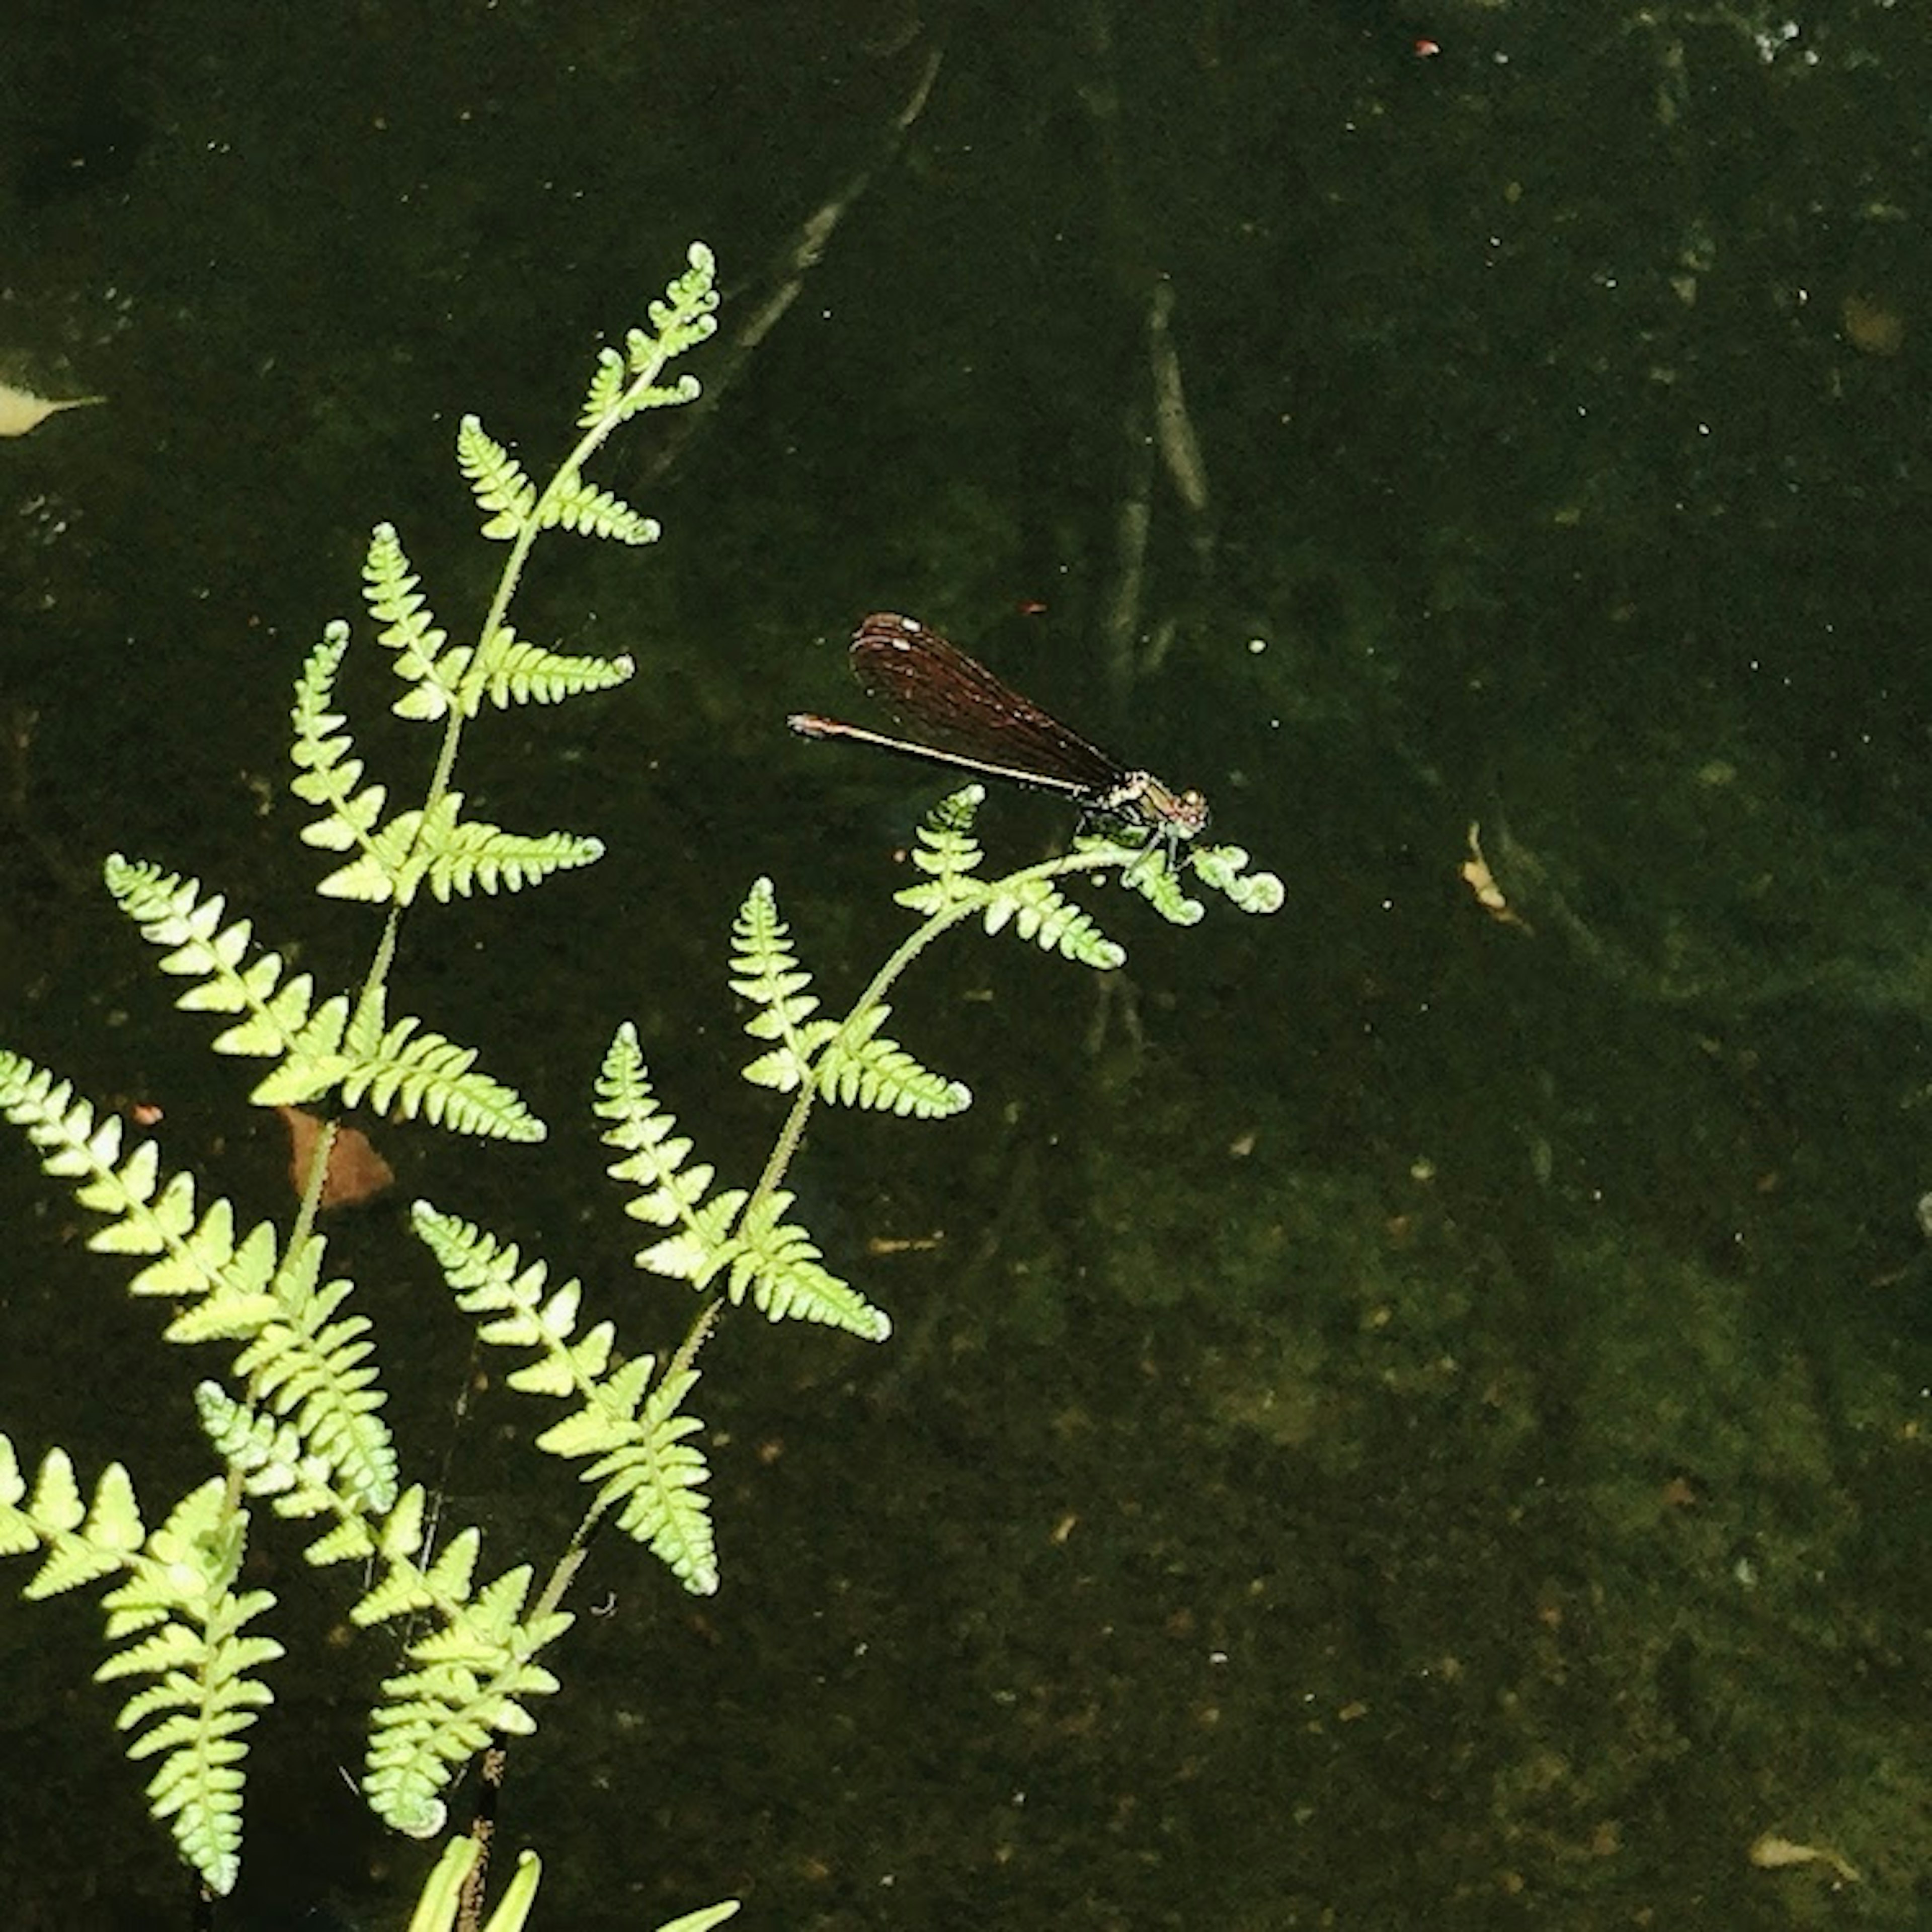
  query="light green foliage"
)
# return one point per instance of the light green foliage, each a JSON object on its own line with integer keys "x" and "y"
{"x": 472, "y": 1673}
{"x": 1039, "y": 910}
{"x": 302, "y": 1357}
{"x": 432, "y": 844}
{"x": 625, "y": 383}
{"x": 650, "y": 1472}
{"x": 1036, "y": 908}
{"x": 947, "y": 852}
{"x": 444, "y": 677}
{"x": 297, "y": 1419}
{"x": 321, "y": 1049}
{"x": 1225, "y": 868}
{"x": 774, "y": 1263}
{"x": 852, "y": 1064}
{"x": 176, "y": 1618}
{"x": 451, "y": 854}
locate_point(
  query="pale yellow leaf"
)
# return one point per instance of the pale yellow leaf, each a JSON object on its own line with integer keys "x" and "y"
{"x": 21, "y": 409}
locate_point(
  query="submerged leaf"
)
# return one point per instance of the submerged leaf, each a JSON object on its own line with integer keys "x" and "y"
{"x": 21, "y": 410}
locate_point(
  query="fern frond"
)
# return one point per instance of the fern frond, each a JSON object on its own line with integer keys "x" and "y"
{"x": 279, "y": 1021}
{"x": 780, "y": 1265}
{"x": 507, "y": 671}
{"x": 947, "y": 852}
{"x": 271, "y": 1461}
{"x": 859, "y": 1067}
{"x": 318, "y": 1048}
{"x": 570, "y": 503}
{"x": 473, "y": 1675}
{"x": 187, "y": 1621}
{"x": 424, "y": 660}
{"x": 207, "y": 1695}
{"x": 623, "y": 385}
{"x": 1225, "y": 869}
{"x": 327, "y": 774}
{"x": 425, "y": 1073}
{"x": 613, "y": 394}
{"x": 310, "y": 1366}
{"x": 671, "y": 1195}
{"x": 1154, "y": 874}
{"x": 1038, "y": 911}
{"x": 504, "y": 492}
{"x": 195, "y": 1259}
{"x": 300, "y": 1359}
{"x": 765, "y": 971}
{"x": 453, "y": 854}
{"x": 649, "y": 1472}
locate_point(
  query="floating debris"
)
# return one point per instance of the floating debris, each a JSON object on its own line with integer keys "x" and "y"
{"x": 21, "y": 410}
{"x": 356, "y": 1172}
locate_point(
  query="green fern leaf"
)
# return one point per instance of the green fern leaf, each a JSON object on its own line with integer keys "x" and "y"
{"x": 423, "y": 1073}
{"x": 704, "y": 1245}
{"x": 453, "y": 855}
{"x": 277, "y": 1019}
{"x": 473, "y": 1675}
{"x": 271, "y": 1461}
{"x": 151, "y": 1216}
{"x": 570, "y": 503}
{"x": 327, "y": 774}
{"x": 1225, "y": 868}
{"x": 622, "y": 385}
{"x": 313, "y": 1368}
{"x": 778, "y": 1264}
{"x": 605, "y": 395}
{"x": 947, "y": 852}
{"x": 176, "y": 1617}
{"x": 765, "y": 971}
{"x": 861, "y": 1068}
{"x": 504, "y": 492}
{"x": 507, "y": 671}
{"x": 648, "y": 1472}
{"x": 424, "y": 659}
{"x": 1038, "y": 911}
{"x": 426, "y": 1075}
{"x": 672, "y": 1194}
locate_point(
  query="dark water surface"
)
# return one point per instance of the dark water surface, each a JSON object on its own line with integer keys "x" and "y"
{"x": 1411, "y": 1417}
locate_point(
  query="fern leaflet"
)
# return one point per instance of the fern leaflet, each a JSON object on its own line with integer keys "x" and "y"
{"x": 299, "y": 1358}
{"x": 648, "y": 1472}
{"x": 327, "y": 774}
{"x": 432, "y": 671}
{"x": 1225, "y": 869}
{"x": 671, "y": 1194}
{"x": 453, "y": 854}
{"x": 505, "y": 492}
{"x": 507, "y": 671}
{"x": 472, "y": 1676}
{"x": 778, "y": 1262}
{"x": 947, "y": 852}
{"x": 859, "y": 1067}
{"x": 623, "y": 385}
{"x": 570, "y": 503}
{"x": 319, "y": 1049}
{"x": 765, "y": 971}
{"x": 1039, "y": 910}
{"x": 178, "y": 1601}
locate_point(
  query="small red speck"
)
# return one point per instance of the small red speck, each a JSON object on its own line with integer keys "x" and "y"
{"x": 144, "y": 1113}
{"x": 1427, "y": 49}
{"x": 1031, "y": 606}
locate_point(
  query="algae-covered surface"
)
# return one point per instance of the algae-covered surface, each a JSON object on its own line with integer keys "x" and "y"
{"x": 1413, "y": 1412}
